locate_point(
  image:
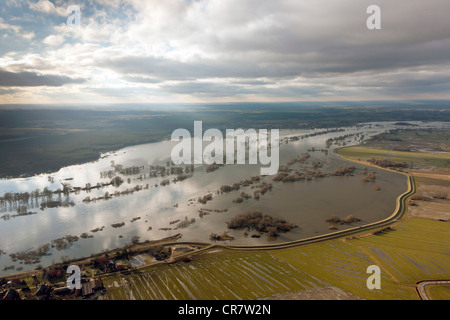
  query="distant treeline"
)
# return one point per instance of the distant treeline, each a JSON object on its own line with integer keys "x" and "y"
{"x": 44, "y": 140}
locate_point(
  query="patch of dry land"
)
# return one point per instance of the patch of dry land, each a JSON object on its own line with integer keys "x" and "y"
{"x": 431, "y": 201}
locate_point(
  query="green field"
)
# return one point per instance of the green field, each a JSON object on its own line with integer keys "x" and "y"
{"x": 416, "y": 158}
{"x": 416, "y": 249}
{"x": 439, "y": 292}
{"x": 412, "y": 140}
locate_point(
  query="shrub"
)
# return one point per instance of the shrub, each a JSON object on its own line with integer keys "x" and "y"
{"x": 205, "y": 198}
{"x": 343, "y": 171}
{"x": 350, "y": 218}
{"x": 333, "y": 219}
{"x": 116, "y": 181}
{"x": 118, "y": 225}
{"x": 370, "y": 177}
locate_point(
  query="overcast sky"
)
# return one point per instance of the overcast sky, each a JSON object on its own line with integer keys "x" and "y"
{"x": 127, "y": 51}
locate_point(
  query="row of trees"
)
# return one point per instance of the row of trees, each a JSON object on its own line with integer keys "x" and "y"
{"x": 389, "y": 164}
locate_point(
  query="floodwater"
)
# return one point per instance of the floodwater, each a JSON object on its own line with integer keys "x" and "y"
{"x": 155, "y": 211}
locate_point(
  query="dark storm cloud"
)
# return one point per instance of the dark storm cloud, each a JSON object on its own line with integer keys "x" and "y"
{"x": 32, "y": 79}
{"x": 168, "y": 69}
{"x": 331, "y": 45}
{"x": 206, "y": 89}
{"x": 261, "y": 48}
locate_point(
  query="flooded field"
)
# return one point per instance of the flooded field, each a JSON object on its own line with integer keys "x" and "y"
{"x": 136, "y": 194}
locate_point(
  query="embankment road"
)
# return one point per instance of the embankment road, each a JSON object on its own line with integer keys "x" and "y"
{"x": 400, "y": 209}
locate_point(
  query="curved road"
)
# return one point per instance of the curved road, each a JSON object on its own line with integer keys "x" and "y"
{"x": 421, "y": 285}
{"x": 400, "y": 210}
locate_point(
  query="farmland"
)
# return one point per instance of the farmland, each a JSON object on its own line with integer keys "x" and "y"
{"x": 406, "y": 254}
{"x": 425, "y": 151}
{"x": 438, "y": 292}
{"x": 417, "y": 159}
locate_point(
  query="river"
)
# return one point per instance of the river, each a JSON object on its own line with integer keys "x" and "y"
{"x": 153, "y": 211}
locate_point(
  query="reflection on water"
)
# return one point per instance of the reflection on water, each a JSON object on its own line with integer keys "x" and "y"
{"x": 141, "y": 206}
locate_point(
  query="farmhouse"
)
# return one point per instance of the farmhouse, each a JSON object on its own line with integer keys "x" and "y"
{"x": 89, "y": 287}
{"x": 11, "y": 294}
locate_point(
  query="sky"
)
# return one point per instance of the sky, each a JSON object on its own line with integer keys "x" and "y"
{"x": 183, "y": 51}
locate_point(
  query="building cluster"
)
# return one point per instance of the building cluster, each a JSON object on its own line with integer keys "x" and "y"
{"x": 16, "y": 289}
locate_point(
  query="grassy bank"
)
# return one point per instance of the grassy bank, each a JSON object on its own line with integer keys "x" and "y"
{"x": 415, "y": 158}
